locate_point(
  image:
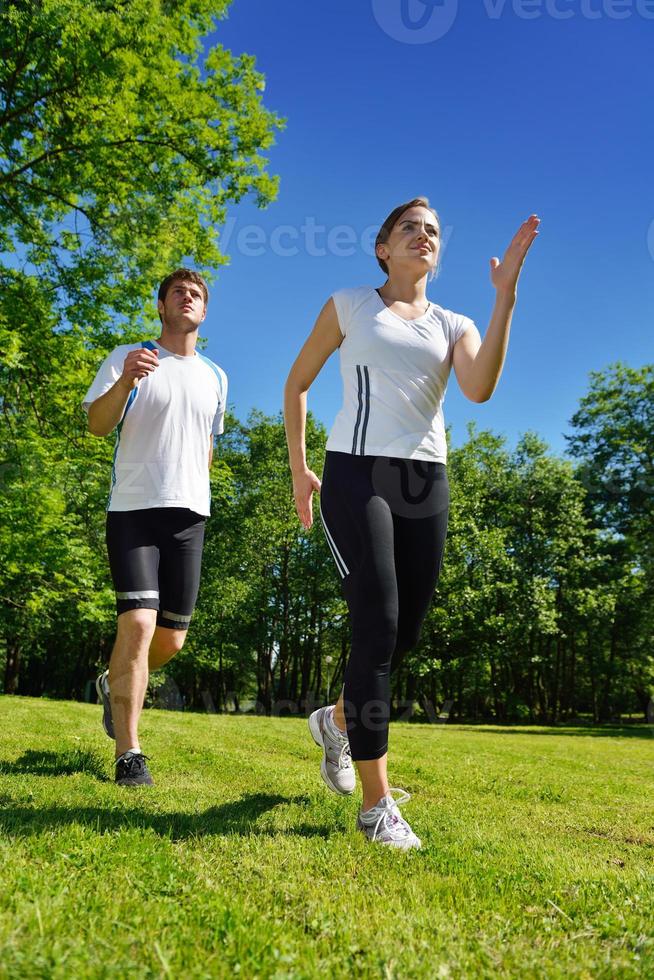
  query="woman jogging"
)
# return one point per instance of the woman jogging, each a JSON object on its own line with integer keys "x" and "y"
{"x": 384, "y": 495}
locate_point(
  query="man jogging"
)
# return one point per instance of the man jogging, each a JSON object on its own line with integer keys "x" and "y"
{"x": 167, "y": 402}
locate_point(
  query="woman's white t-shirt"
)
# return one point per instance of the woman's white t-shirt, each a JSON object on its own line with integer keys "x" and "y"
{"x": 395, "y": 374}
{"x": 162, "y": 441}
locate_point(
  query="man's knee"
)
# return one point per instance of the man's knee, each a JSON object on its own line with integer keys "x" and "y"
{"x": 137, "y": 626}
{"x": 174, "y": 641}
{"x": 166, "y": 642}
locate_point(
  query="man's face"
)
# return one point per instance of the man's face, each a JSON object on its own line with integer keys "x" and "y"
{"x": 184, "y": 306}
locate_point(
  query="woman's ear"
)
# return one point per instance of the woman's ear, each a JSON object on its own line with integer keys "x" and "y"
{"x": 382, "y": 252}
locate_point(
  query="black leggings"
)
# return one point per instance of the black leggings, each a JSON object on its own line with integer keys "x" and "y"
{"x": 385, "y": 520}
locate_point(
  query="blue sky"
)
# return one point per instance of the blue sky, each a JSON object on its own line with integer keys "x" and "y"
{"x": 504, "y": 109}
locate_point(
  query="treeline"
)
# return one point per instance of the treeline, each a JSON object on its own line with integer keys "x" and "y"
{"x": 544, "y": 610}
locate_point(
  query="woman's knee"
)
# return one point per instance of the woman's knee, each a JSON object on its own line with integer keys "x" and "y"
{"x": 407, "y": 639}
{"x": 373, "y": 645}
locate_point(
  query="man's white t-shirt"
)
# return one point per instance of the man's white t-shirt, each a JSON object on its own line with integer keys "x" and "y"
{"x": 395, "y": 374}
{"x": 163, "y": 439}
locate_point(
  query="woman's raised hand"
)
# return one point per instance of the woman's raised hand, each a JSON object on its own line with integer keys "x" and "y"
{"x": 505, "y": 274}
{"x": 304, "y": 484}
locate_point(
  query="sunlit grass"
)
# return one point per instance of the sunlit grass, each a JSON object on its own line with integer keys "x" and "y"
{"x": 537, "y": 857}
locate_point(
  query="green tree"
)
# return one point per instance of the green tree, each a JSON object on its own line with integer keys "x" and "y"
{"x": 122, "y": 142}
{"x": 613, "y": 439}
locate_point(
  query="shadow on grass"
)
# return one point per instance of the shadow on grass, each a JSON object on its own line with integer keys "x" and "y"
{"x": 237, "y": 818}
{"x": 57, "y": 764}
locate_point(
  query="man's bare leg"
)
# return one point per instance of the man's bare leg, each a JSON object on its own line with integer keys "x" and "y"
{"x": 127, "y": 678}
{"x": 128, "y": 674}
{"x": 164, "y": 645}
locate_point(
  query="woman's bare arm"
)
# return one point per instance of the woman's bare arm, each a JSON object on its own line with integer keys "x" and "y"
{"x": 323, "y": 340}
{"x": 478, "y": 364}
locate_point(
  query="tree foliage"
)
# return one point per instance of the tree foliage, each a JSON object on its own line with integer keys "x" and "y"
{"x": 121, "y": 144}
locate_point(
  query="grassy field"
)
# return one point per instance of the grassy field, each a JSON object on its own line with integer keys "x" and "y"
{"x": 537, "y": 857}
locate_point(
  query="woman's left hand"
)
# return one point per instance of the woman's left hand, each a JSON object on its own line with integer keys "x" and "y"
{"x": 505, "y": 274}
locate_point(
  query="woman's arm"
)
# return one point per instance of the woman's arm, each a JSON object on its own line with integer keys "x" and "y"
{"x": 478, "y": 365}
{"x": 323, "y": 340}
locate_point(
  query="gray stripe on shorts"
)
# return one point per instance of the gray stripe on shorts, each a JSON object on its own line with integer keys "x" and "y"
{"x": 176, "y": 617}
{"x": 148, "y": 594}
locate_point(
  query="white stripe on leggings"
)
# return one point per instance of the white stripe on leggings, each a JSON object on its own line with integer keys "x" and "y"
{"x": 338, "y": 558}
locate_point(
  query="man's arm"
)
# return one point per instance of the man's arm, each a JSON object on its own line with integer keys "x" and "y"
{"x": 106, "y": 411}
{"x": 210, "y": 450}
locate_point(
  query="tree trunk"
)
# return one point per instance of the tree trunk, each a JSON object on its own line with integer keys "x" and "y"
{"x": 591, "y": 674}
{"x": 572, "y": 693}
{"x": 12, "y": 668}
{"x": 605, "y": 709}
{"x": 555, "y": 685}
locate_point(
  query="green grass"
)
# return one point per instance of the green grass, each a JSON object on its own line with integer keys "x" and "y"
{"x": 537, "y": 857}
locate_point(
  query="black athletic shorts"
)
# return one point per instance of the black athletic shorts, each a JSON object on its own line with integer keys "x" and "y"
{"x": 155, "y": 556}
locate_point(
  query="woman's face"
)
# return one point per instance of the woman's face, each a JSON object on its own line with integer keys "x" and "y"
{"x": 414, "y": 242}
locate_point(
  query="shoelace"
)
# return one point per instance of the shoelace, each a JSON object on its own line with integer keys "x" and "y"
{"x": 388, "y": 807}
{"x": 134, "y": 761}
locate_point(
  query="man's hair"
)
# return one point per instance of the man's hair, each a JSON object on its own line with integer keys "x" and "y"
{"x": 183, "y": 275}
{"x": 385, "y": 231}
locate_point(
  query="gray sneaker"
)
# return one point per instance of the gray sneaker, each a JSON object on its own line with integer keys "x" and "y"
{"x": 336, "y": 767}
{"x": 102, "y": 687}
{"x": 384, "y": 822}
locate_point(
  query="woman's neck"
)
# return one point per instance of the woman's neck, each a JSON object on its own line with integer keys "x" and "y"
{"x": 401, "y": 289}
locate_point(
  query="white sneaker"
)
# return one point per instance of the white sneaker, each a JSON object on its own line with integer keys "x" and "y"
{"x": 336, "y": 767}
{"x": 384, "y": 822}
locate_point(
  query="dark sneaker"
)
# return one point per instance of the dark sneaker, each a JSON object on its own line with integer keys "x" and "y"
{"x": 102, "y": 687}
{"x": 131, "y": 770}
